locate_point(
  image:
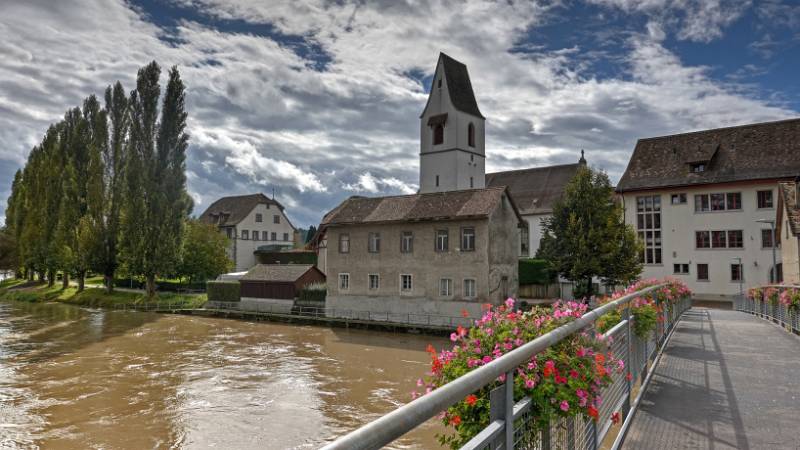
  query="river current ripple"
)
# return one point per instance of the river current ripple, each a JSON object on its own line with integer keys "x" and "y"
{"x": 78, "y": 378}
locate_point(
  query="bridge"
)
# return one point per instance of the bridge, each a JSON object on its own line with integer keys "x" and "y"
{"x": 706, "y": 378}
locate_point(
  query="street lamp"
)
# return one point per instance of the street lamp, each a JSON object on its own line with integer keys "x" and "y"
{"x": 773, "y": 276}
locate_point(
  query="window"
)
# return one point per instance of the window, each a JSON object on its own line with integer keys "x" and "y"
{"x": 406, "y": 284}
{"x": 245, "y": 234}
{"x": 678, "y": 199}
{"x": 524, "y": 237}
{"x": 471, "y": 183}
{"x": 701, "y": 203}
{"x": 259, "y": 217}
{"x": 764, "y": 199}
{"x": 731, "y": 201}
{"x": 407, "y": 242}
{"x": 344, "y": 281}
{"x": 469, "y": 288}
{"x": 255, "y": 235}
{"x": 648, "y": 223}
{"x": 702, "y": 239}
{"x": 697, "y": 168}
{"x": 374, "y": 281}
{"x": 467, "y": 239}
{"x": 344, "y": 243}
{"x": 737, "y": 273}
{"x": 734, "y": 200}
{"x": 438, "y": 134}
{"x": 274, "y": 236}
{"x": 437, "y": 180}
{"x": 718, "y": 202}
{"x": 285, "y": 236}
{"x": 766, "y": 238}
{"x": 276, "y": 219}
{"x": 718, "y": 239}
{"x": 229, "y": 232}
{"x": 735, "y": 239}
{"x": 441, "y": 240}
{"x": 702, "y": 272}
{"x": 445, "y": 287}
{"x": 374, "y": 243}
{"x": 439, "y": 83}
{"x": 471, "y": 135}
{"x": 680, "y": 269}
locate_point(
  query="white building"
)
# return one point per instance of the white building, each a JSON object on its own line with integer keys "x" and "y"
{"x": 535, "y": 191}
{"x": 702, "y": 202}
{"x": 788, "y": 230}
{"x": 250, "y": 222}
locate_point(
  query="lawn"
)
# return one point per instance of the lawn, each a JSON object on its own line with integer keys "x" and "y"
{"x": 20, "y": 290}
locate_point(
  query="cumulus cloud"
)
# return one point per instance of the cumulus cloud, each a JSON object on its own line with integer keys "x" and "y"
{"x": 317, "y": 100}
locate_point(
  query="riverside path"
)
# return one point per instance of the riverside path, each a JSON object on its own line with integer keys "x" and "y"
{"x": 726, "y": 380}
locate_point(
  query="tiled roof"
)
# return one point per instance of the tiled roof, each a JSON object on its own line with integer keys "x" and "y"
{"x": 234, "y": 209}
{"x": 276, "y": 272}
{"x": 459, "y": 86}
{"x": 788, "y": 193}
{"x": 535, "y": 190}
{"x": 472, "y": 203}
{"x": 748, "y": 152}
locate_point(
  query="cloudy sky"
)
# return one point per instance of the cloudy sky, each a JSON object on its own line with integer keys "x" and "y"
{"x": 320, "y": 99}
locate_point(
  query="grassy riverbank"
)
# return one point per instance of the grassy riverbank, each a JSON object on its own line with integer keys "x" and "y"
{"x": 21, "y": 290}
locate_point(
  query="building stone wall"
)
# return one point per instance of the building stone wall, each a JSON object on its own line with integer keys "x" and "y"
{"x": 678, "y": 226}
{"x": 504, "y": 247}
{"x": 790, "y": 253}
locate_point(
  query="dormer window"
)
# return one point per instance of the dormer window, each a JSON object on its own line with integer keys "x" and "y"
{"x": 698, "y": 167}
{"x": 471, "y": 135}
{"x": 439, "y": 83}
{"x": 438, "y": 134}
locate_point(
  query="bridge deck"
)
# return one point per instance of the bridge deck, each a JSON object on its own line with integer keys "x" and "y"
{"x": 726, "y": 380}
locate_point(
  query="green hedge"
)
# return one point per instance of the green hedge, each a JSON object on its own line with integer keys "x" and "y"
{"x": 265, "y": 257}
{"x": 164, "y": 286}
{"x": 535, "y": 271}
{"x": 313, "y": 292}
{"x": 223, "y": 291}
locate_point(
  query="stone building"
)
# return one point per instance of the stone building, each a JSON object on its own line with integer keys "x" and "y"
{"x": 436, "y": 253}
{"x": 703, "y": 203}
{"x": 250, "y": 221}
{"x": 788, "y": 229}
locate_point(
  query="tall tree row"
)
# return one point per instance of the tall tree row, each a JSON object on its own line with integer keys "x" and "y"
{"x": 106, "y": 186}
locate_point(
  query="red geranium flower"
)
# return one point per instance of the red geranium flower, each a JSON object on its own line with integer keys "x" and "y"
{"x": 593, "y": 412}
{"x": 471, "y": 400}
{"x": 455, "y": 420}
{"x": 615, "y": 417}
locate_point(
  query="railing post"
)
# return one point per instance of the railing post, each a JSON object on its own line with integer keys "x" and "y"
{"x": 628, "y": 378}
{"x": 509, "y": 410}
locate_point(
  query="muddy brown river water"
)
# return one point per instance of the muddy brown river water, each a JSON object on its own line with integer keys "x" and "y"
{"x": 78, "y": 378}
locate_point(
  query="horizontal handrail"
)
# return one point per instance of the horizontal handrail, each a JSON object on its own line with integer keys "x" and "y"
{"x": 407, "y": 417}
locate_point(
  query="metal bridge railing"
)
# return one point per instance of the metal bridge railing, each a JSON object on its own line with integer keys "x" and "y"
{"x": 776, "y": 311}
{"x": 511, "y": 420}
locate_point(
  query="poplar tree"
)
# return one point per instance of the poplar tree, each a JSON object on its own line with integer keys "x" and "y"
{"x": 587, "y": 237}
{"x": 14, "y": 218}
{"x": 113, "y": 159}
{"x": 155, "y": 182}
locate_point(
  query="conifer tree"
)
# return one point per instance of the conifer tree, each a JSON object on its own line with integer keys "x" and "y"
{"x": 587, "y": 236}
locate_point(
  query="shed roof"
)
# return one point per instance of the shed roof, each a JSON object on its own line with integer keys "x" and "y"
{"x": 747, "y": 152}
{"x": 229, "y": 211}
{"x": 535, "y": 190}
{"x": 277, "y": 272}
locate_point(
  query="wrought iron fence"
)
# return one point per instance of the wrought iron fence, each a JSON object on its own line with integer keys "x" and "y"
{"x": 511, "y": 422}
{"x": 785, "y": 316}
{"x": 310, "y": 312}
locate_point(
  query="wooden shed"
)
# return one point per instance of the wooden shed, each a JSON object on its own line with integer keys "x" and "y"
{"x": 278, "y": 281}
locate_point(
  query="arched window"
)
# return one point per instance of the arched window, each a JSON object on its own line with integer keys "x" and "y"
{"x": 438, "y": 134}
{"x": 471, "y": 135}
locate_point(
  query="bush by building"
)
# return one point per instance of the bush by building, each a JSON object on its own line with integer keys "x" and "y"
{"x": 535, "y": 271}
{"x": 223, "y": 291}
{"x": 313, "y": 293}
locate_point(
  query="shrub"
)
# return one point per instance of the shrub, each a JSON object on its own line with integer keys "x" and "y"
{"x": 535, "y": 271}
{"x": 223, "y": 291}
{"x": 645, "y": 309}
{"x": 313, "y": 292}
{"x": 790, "y": 297}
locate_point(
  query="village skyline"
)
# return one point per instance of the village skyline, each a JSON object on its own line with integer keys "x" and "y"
{"x": 299, "y": 103}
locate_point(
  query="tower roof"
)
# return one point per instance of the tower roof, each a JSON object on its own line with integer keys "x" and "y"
{"x": 459, "y": 86}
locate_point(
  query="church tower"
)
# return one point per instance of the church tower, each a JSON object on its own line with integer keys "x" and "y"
{"x": 452, "y": 131}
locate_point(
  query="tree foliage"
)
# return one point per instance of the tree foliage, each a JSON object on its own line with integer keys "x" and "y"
{"x": 203, "y": 255}
{"x": 587, "y": 236}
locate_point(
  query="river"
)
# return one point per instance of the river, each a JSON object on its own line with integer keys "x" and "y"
{"x": 79, "y": 378}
